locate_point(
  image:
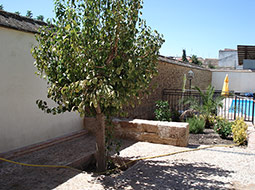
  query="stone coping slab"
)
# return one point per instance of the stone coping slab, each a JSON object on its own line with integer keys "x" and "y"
{"x": 162, "y": 132}
{"x": 152, "y": 122}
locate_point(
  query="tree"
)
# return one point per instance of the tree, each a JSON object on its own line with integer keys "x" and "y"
{"x": 97, "y": 56}
{"x": 17, "y": 12}
{"x": 40, "y": 17}
{"x": 29, "y": 14}
{"x": 1, "y": 7}
{"x": 184, "y": 58}
{"x": 211, "y": 66}
{"x": 208, "y": 104}
{"x": 195, "y": 60}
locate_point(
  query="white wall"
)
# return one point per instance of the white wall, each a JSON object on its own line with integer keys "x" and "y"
{"x": 239, "y": 81}
{"x": 21, "y": 121}
{"x": 228, "y": 59}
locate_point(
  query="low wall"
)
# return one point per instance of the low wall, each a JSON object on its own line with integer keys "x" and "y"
{"x": 171, "y": 133}
{"x": 170, "y": 76}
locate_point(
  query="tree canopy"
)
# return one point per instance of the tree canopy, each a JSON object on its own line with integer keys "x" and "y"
{"x": 96, "y": 52}
{"x": 184, "y": 57}
{"x": 97, "y": 55}
{"x": 29, "y": 14}
{"x": 195, "y": 60}
{"x": 40, "y": 17}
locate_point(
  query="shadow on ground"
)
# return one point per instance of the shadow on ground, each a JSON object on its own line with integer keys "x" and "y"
{"x": 152, "y": 175}
{"x": 17, "y": 177}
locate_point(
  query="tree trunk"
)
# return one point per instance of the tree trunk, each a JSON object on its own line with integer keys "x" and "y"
{"x": 100, "y": 141}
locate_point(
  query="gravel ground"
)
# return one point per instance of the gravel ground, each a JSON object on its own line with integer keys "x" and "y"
{"x": 17, "y": 177}
{"x": 207, "y": 138}
{"x": 214, "y": 168}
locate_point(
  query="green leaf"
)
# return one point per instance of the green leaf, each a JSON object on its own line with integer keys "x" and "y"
{"x": 96, "y": 53}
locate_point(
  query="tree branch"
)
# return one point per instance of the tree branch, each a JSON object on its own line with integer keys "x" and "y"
{"x": 114, "y": 50}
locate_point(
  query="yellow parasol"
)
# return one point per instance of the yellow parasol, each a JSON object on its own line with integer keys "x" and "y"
{"x": 225, "y": 90}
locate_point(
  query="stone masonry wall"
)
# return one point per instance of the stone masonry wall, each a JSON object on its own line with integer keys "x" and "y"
{"x": 170, "y": 76}
{"x": 171, "y": 133}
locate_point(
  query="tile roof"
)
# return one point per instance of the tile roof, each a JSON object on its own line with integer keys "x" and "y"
{"x": 17, "y": 22}
{"x": 180, "y": 63}
{"x": 227, "y": 49}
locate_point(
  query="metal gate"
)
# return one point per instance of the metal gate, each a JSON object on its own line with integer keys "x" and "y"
{"x": 235, "y": 105}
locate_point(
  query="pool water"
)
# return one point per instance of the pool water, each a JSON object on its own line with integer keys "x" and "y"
{"x": 242, "y": 106}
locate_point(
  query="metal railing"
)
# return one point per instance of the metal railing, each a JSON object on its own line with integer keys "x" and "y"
{"x": 235, "y": 105}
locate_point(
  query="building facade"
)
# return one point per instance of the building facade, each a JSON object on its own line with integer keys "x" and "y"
{"x": 228, "y": 58}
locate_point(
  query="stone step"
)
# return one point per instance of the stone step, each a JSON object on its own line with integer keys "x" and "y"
{"x": 74, "y": 150}
{"x": 41, "y": 145}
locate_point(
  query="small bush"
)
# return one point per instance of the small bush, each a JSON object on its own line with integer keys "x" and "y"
{"x": 239, "y": 130}
{"x": 162, "y": 112}
{"x": 175, "y": 116}
{"x": 212, "y": 119}
{"x": 196, "y": 124}
{"x": 223, "y": 127}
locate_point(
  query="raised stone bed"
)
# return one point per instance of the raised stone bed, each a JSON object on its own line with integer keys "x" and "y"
{"x": 172, "y": 133}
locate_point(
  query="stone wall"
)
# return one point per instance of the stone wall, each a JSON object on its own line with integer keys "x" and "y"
{"x": 170, "y": 76}
{"x": 171, "y": 133}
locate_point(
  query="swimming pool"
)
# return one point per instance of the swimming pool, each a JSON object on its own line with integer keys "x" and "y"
{"x": 242, "y": 106}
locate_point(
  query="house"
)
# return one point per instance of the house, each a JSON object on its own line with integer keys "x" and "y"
{"x": 21, "y": 122}
{"x": 228, "y": 58}
{"x": 239, "y": 64}
{"x": 188, "y": 58}
{"x": 242, "y": 58}
{"x": 211, "y": 62}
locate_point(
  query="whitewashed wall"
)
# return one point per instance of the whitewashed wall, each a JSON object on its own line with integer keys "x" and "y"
{"x": 239, "y": 80}
{"x": 228, "y": 59}
{"x": 21, "y": 122}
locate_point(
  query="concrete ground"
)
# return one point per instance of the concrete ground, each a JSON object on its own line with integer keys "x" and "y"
{"x": 251, "y": 136}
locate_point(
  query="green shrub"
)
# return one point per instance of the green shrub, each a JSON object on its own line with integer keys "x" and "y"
{"x": 223, "y": 127}
{"x": 162, "y": 112}
{"x": 175, "y": 115}
{"x": 206, "y": 106}
{"x": 196, "y": 124}
{"x": 239, "y": 130}
{"x": 212, "y": 119}
{"x": 211, "y": 66}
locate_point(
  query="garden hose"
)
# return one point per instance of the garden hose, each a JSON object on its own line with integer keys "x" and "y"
{"x": 168, "y": 154}
{"x": 42, "y": 166}
{"x": 112, "y": 170}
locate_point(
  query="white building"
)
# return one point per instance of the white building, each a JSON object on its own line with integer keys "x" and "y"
{"x": 228, "y": 58}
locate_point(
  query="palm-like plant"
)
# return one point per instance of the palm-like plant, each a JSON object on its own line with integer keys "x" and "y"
{"x": 195, "y": 60}
{"x": 206, "y": 105}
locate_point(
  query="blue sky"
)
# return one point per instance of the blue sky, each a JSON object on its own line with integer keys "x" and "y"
{"x": 202, "y": 27}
